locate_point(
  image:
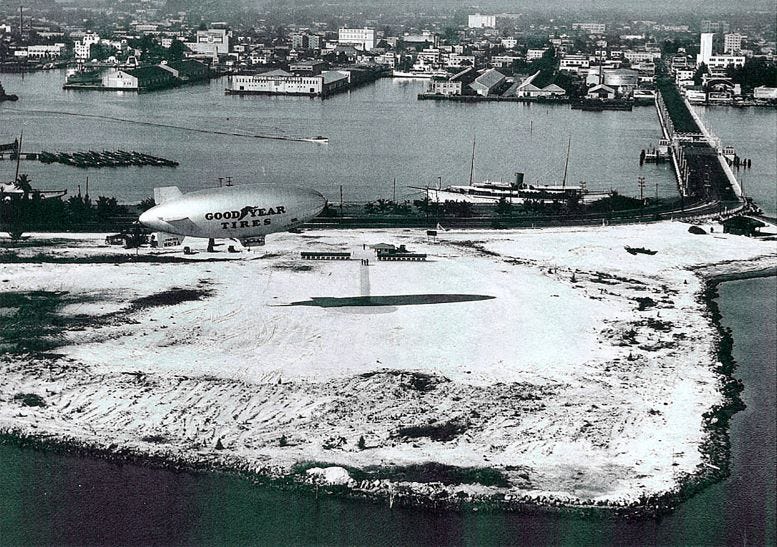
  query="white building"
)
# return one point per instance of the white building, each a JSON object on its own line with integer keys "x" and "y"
{"x": 454, "y": 60}
{"x": 481, "y": 21}
{"x": 763, "y": 92}
{"x": 591, "y": 28}
{"x": 280, "y": 82}
{"x": 509, "y": 43}
{"x": 641, "y": 56}
{"x": 572, "y": 63}
{"x": 705, "y": 49}
{"x": 213, "y": 41}
{"x": 725, "y": 61}
{"x": 533, "y": 54}
{"x": 364, "y": 37}
{"x": 732, "y": 43}
{"x": 119, "y": 79}
{"x": 45, "y": 51}
{"x": 487, "y": 82}
{"x": 81, "y": 50}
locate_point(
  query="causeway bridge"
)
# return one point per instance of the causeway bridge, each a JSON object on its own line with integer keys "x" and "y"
{"x": 702, "y": 171}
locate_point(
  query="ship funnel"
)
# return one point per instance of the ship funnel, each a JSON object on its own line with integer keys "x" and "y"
{"x": 519, "y": 180}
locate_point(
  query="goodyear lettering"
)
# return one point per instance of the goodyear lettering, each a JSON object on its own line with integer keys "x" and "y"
{"x": 249, "y": 211}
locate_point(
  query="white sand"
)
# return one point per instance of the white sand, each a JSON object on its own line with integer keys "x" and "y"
{"x": 559, "y": 376}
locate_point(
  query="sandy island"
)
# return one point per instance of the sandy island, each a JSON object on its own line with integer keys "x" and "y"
{"x": 523, "y": 366}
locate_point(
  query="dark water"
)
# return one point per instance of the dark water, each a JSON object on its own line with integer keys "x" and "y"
{"x": 753, "y": 132}
{"x": 378, "y": 132}
{"x": 47, "y": 498}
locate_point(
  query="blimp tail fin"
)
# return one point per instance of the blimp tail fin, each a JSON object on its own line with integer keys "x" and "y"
{"x": 166, "y": 193}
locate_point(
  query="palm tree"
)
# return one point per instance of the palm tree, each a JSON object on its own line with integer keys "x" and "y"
{"x": 23, "y": 184}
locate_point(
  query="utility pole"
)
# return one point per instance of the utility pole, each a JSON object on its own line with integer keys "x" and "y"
{"x": 395, "y": 190}
{"x": 21, "y": 21}
{"x": 341, "y": 201}
{"x": 641, "y": 183}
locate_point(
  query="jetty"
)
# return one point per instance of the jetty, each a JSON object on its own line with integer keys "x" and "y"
{"x": 700, "y": 165}
{"x": 91, "y": 158}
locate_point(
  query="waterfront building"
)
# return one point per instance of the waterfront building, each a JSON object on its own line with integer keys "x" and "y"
{"x": 590, "y": 28}
{"x": 481, "y": 21}
{"x": 280, "y": 82}
{"x": 765, "y": 93}
{"x": 362, "y": 37}
{"x": 488, "y": 82}
{"x": 120, "y": 80}
{"x": 601, "y": 91}
{"x": 310, "y": 67}
{"x": 187, "y": 70}
{"x": 455, "y": 85}
{"x": 45, "y": 51}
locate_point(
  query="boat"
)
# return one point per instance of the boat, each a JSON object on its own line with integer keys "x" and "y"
{"x": 491, "y": 192}
{"x": 6, "y": 96}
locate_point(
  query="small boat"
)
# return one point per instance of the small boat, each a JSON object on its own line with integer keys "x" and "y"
{"x": 639, "y": 250}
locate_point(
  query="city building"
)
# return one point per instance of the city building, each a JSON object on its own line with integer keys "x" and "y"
{"x": 454, "y": 85}
{"x": 714, "y": 26}
{"x": 725, "y": 61}
{"x": 733, "y": 43}
{"x": 705, "y": 48}
{"x": 213, "y": 41}
{"x": 533, "y": 54}
{"x": 766, "y": 93}
{"x": 487, "y": 82}
{"x": 481, "y": 21}
{"x": 45, "y": 51}
{"x": 363, "y": 37}
{"x": 590, "y": 28}
{"x": 280, "y": 82}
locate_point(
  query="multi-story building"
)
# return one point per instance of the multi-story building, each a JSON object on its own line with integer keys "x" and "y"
{"x": 509, "y": 43}
{"x": 705, "y": 48}
{"x": 533, "y": 54}
{"x": 733, "y": 43}
{"x": 454, "y": 60}
{"x": 45, "y": 51}
{"x": 714, "y": 26}
{"x": 280, "y": 82}
{"x": 363, "y": 37}
{"x": 572, "y": 63}
{"x": 641, "y": 56}
{"x": 481, "y": 21}
{"x": 590, "y": 28}
{"x": 503, "y": 61}
{"x": 725, "y": 61}
{"x": 214, "y": 41}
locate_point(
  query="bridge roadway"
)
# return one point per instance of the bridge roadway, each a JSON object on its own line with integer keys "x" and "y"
{"x": 701, "y": 169}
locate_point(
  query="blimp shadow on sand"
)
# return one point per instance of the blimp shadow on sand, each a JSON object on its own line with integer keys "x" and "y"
{"x": 247, "y": 213}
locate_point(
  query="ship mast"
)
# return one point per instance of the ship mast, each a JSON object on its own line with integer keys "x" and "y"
{"x": 566, "y": 164}
{"x": 472, "y": 165}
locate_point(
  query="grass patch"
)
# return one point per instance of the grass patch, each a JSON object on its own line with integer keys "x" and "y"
{"x": 438, "y": 472}
{"x": 29, "y": 399}
{"x": 436, "y": 432}
{"x": 170, "y": 297}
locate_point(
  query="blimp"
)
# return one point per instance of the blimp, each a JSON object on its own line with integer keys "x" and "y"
{"x": 246, "y": 213}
